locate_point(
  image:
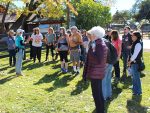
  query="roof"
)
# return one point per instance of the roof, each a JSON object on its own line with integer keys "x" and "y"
{"x": 48, "y": 20}
{"x": 9, "y": 18}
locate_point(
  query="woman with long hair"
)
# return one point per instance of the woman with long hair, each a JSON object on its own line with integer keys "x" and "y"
{"x": 117, "y": 44}
{"x": 50, "y": 42}
{"x": 37, "y": 38}
{"x": 63, "y": 48}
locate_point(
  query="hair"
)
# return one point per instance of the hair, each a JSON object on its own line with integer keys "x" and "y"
{"x": 128, "y": 27}
{"x": 50, "y": 28}
{"x": 98, "y": 31}
{"x": 138, "y": 35}
{"x": 114, "y": 35}
{"x": 64, "y": 30}
{"x": 69, "y": 32}
{"x": 10, "y": 31}
{"x": 37, "y": 28}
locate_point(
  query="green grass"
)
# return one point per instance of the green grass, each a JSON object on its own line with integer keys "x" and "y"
{"x": 45, "y": 89}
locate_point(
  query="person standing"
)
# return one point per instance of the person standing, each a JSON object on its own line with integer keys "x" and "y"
{"x": 84, "y": 46}
{"x": 75, "y": 41}
{"x": 37, "y": 44}
{"x": 135, "y": 61}
{"x": 117, "y": 44}
{"x": 63, "y": 49}
{"x": 20, "y": 45}
{"x": 108, "y": 34}
{"x": 50, "y": 43}
{"x": 126, "y": 46}
{"x": 94, "y": 68}
{"x": 10, "y": 41}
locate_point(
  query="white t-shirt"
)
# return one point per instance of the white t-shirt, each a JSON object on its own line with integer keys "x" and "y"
{"x": 37, "y": 40}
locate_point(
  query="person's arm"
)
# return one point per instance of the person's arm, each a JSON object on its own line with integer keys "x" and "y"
{"x": 120, "y": 49}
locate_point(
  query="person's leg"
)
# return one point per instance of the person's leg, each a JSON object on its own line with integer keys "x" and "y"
{"x": 66, "y": 60}
{"x": 39, "y": 53}
{"x": 20, "y": 56}
{"x": 136, "y": 79}
{"x": 61, "y": 59}
{"x": 14, "y": 57}
{"x": 124, "y": 63}
{"x": 77, "y": 58}
{"x": 96, "y": 86}
{"x": 34, "y": 53}
{"x": 47, "y": 52}
{"x": 24, "y": 57}
{"x": 72, "y": 58}
{"x": 117, "y": 70}
{"x": 10, "y": 57}
{"x": 52, "y": 51}
{"x": 109, "y": 85}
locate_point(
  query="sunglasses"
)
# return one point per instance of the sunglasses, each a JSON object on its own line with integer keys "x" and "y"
{"x": 125, "y": 29}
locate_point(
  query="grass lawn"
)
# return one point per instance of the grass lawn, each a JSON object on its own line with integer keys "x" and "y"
{"x": 45, "y": 89}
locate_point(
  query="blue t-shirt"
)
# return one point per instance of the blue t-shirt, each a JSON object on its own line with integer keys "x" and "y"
{"x": 18, "y": 42}
{"x": 10, "y": 41}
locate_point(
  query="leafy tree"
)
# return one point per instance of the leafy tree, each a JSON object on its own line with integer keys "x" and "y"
{"x": 92, "y": 14}
{"x": 144, "y": 11}
{"x": 121, "y": 17}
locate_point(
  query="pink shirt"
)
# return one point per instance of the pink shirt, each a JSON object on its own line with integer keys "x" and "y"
{"x": 117, "y": 44}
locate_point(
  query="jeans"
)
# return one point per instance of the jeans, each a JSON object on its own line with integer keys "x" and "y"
{"x": 106, "y": 82}
{"x": 125, "y": 55}
{"x": 96, "y": 85}
{"x": 12, "y": 57}
{"x": 19, "y": 55}
{"x": 136, "y": 79}
{"x": 117, "y": 69}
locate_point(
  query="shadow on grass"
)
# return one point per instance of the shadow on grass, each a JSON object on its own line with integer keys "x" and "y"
{"x": 116, "y": 91}
{"x": 9, "y": 78}
{"x": 4, "y": 68}
{"x": 61, "y": 82}
{"x": 134, "y": 105}
{"x": 80, "y": 87}
{"x": 48, "y": 78}
{"x": 142, "y": 75}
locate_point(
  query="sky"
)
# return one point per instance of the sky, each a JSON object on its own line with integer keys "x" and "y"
{"x": 119, "y": 5}
{"x": 122, "y": 5}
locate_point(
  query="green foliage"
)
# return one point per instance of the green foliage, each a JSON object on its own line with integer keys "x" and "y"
{"x": 144, "y": 11}
{"x": 92, "y": 14}
{"x": 121, "y": 16}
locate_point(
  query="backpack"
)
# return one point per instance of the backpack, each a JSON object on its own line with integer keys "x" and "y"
{"x": 112, "y": 53}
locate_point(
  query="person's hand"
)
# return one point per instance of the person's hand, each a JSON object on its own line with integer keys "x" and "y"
{"x": 129, "y": 47}
{"x": 129, "y": 63}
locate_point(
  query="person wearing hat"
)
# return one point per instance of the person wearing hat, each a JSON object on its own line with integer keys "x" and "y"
{"x": 20, "y": 45}
{"x": 75, "y": 40}
{"x": 10, "y": 41}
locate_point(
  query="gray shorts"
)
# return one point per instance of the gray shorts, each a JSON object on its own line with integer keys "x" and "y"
{"x": 75, "y": 55}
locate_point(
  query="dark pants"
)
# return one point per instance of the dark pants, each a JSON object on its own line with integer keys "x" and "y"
{"x": 31, "y": 51}
{"x": 117, "y": 69}
{"x": 63, "y": 56}
{"x": 37, "y": 53}
{"x": 96, "y": 85}
{"x": 24, "y": 57}
{"x": 51, "y": 47}
{"x": 125, "y": 55}
{"x": 12, "y": 57}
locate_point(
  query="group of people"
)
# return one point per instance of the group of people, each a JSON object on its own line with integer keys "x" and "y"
{"x": 98, "y": 50}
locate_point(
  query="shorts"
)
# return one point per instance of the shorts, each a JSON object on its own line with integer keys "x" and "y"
{"x": 75, "y": 55}
{"x": 63, "y": 56}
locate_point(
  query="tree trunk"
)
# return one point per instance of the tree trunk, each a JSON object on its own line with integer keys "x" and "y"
{"x": 68, "y": 16}
{"x": 3, "y": 19}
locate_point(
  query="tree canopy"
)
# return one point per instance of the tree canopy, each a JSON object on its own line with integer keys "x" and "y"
{"x": 92, "y": 14}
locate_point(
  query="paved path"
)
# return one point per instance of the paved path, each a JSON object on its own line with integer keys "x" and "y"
{"x": 146, "y": 44}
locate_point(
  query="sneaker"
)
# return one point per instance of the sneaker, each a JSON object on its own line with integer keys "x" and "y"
{"x": 66, "y": 70}
{"x": 63, "y": 70}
